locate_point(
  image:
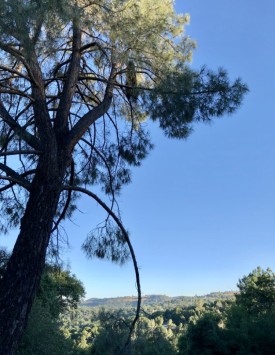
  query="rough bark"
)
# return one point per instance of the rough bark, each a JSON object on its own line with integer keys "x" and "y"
{"x": 25, "y": 267}
{"x": 55, "y": 144}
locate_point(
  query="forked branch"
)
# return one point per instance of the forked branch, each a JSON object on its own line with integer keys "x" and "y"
{"x": 26, "y": 136}
{"x": 68, "y": 200}
{"x": 91, "y": 116}
{"x": 70, "y": 82}
{"x": 14, "y": 177}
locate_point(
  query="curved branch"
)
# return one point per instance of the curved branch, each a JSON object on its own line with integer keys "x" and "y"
{"x": 127, "y": 239}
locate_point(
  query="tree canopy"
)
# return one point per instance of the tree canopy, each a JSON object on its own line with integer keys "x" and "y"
{"x": 245, "y": 325}
{"x": 79, "y": 79}
{"x": 257, "y": 291}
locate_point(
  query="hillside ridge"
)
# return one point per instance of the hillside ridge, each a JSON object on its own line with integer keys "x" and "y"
{"x": 130, "y": 301}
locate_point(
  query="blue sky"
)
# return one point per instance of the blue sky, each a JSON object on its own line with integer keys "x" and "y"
{"x": 201, "y": 211}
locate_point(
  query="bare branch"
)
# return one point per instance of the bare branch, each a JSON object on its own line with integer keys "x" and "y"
{"x": 88, "y": 45}
{"x": 15, "y": 182}
{"x": 14, "y": 71}
{"x": 26, "y": 136}
{"x": 12, "y": 91}
{"x": 18, "y": 55}
{"x": 16, "y": 152}
{"x": 13, "y": 176}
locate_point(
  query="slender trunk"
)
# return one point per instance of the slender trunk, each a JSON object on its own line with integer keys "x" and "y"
{"x": 24, "y": 269}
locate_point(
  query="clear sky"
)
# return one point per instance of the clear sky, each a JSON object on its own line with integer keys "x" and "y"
{"x": 201, "y": 211}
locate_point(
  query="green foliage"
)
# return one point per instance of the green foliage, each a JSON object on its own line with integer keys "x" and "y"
{"x": 59, "y": 292}
{"x": 143, "y": 44}
{"x": 184, "y": 97}
{"x": 250, "y": 333}
{"x": 157, "y": 331}
{"x": 152, "y": 303}
{"x": 203, "y": 337}
{"x": 43, "y": 335}
{"x": 219, "y": 327}
{"x": 257, "y": 292}
{"x": 107, "y": 241}
{"x": 153, "y": 337}
{"x": 112, "y": 335}
{"x": 251, "y": 320}
{"x": 246, "y": 326}
{"x": 79, "y": 79}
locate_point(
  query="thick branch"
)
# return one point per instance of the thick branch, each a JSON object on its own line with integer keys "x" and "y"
{"x": 26, "y": 136}
{"x": 14, "y": 181}
{"x": 41, "y": 115}
{"x": 17, "y": 54}
{"x": 14, "y": 71}
{"x": 61, "y": 121}
{"x": 127, "y": 239}
{"x": 88, "y": 45}
{"x": 17, "y": 152}
{"x": 12, "y": 50}
{"x": 13, "y": 176}
{"x": 91, "y": 116}
{"x": 12, "y": 91}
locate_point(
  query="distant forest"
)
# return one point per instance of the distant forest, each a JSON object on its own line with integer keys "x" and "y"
{"x": 220, "y": 323}
{"x": 162, "y": 300}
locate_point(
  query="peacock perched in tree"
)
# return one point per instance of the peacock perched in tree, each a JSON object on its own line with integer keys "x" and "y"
{"x": 131, "y": 91}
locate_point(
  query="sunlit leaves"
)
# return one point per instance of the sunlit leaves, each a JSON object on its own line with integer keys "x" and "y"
{"x": 257, "y": 291}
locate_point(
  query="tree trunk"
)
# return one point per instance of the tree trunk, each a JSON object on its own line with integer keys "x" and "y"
{"x": 21, "y": 280}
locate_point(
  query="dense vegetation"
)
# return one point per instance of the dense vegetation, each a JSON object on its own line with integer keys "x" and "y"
{"x": 154, "y": 300}
{"x": 243, "y": 324}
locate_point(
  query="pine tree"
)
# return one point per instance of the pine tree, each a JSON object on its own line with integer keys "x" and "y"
{"x": 68, "y": 122}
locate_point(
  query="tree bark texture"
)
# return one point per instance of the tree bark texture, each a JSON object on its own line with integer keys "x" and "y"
{"x": 25, "y": 267}
{"x": 56, "y": 143}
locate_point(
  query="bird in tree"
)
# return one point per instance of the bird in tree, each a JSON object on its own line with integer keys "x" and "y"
{"x": 131, "y": 81}
{"x": 68, "y": 122}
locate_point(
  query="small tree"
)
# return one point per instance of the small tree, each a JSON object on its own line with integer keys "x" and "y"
{"x": 245, "y": 326}
{"x": 203, "y": 336}
{"x": 257, "y": 292}
{"x": 77, "y": 80}
{"x": 58, "y": 292}
{"x": 250, "y": 322}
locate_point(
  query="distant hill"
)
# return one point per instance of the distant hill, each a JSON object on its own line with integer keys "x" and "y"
{"x": 150, "y": 300}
